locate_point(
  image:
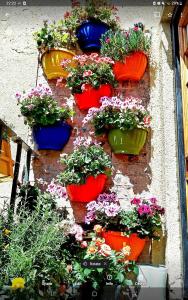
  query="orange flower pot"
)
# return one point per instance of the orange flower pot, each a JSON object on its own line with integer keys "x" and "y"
{"x": 116, "y": 240}
{"x": 88, "y": 191}
{"x": 51, "y": 61}
{"x": 91, "y": 96}
{"x": 6, "y": 162}
{"x": 133, "y": 67}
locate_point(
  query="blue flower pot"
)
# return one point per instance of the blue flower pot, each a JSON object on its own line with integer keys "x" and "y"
{"x": 89, "y": 34}
{"x": 52, "y": 137}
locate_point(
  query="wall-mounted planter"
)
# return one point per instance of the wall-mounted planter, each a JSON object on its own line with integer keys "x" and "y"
{"x": 6, "y": 162}
{"x": 116, "y": 240}
{"x": 51, "y": 61}
{"x": 127, "y": 141}
{"x": 91, "y": 96}
{"x": 89, "y": 34}
{"x": 52, "y": 137}
{"x": 89, "y": 190}
{"x": 133, "y": 67}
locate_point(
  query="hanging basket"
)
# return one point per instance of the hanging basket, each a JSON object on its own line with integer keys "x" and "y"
{"x": 51, "y": 61}
{"x": 127, "y": 141}
{"x": 89, "y": 34}
{"x": 52, "y": 137}
{"x": 89, "y": 190}
{"x": 6, "y": 162}
{"x": 91, "y": 96}
{"x": 116, "y": 240}
{"x": 133, "y": 67}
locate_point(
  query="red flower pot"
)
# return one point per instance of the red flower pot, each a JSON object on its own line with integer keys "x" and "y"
{"x": 116, "y": 240}
{"x": 133, "y": 67}
{"x": 88, "y": 191}
{"x": 91, "y": 96}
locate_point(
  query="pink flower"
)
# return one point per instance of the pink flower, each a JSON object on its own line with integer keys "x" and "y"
{"x": 94, "y": 55}
{"x": 153, "y": 200}
{"x": 79, "y": 237}
{"x": 83, "y": 87}
{"x": 18, "y": 96}
{"x": 87, "y": 73}
{"x": 136, "y": 28}
{"x": 147, "y": 120}
{"x": 107, "y": 40}
{"x": 144, "y": 209}
{"x": 83, "y": 244}
{"x": 67, "y": 14}
{"x": 135, "y": 201}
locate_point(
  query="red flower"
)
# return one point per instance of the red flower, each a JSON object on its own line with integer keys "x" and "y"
{"x": 87, "y": 73}
{"x": 67, "y": 14}
{"x": 147, "y": 120}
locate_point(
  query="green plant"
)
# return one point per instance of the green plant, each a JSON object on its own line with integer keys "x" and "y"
{"x": 40, "y": 108}
{"x": 87, "y": 159}
{"x": 89, "y": 70}
{"x": 119, "y": 44}
{"x": 54, "y": 35}
{"x": 94, "y": 9}
{"x": 114, "y": 112}
{"x": 143, "y": 219}
{"x": 33, "y": 253}
{"x": 117, "y": 265}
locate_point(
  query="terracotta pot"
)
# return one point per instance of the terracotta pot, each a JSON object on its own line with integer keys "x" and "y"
{"x": 91, "y": 96}
{"x": 116, "y": 240}
{"x": 127, "y": 141}
{"x": 133, "y": 67}
{"x": 6, "y": 162}
{"x": 51, "y": 61}
{"x": 88, "y": 191}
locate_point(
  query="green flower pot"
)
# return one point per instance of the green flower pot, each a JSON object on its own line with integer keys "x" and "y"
{"x": 127, "y": 141}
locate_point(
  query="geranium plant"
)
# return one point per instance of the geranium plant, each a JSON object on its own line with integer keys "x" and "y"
{"x": 143, "y": 219}
{"x": 93, "y": 70}
{"x": 115, "y": 112}
{"x": 54, "y": 35}
{"x": 88, "y": 158}
{"x": 117, "y": 264}
{"x": 39, "y": 107}
{"x": 119, "y": 44}
{"x": 94, "y": 9}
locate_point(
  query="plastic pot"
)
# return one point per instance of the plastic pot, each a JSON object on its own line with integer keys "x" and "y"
{"x": 89, "y": 34}
{"x": 91, "y": 96}
{"x": 52, "y": 137}
{"x": 133, "y": 67}
{"x": 51, "y": 61}
{"x": 127, "y": 141}
{"x": 88, "y": 191}
{"x": 116, "y": 240}
{"x": 6, "y": 162}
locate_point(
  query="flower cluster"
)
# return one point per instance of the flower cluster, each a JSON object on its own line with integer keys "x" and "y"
{"x": 57, "y": 190}
{"x": 84, "y": 70}
{"x": 125, "y": 114}
{"x": 147, "y": 206}
{"x": 106, "y": 205}
{"x": 40, "y": 108}
{"x": 82, "y": 141}
{"x": 77, "y": 231}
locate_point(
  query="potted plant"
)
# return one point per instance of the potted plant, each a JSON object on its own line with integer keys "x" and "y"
{"x": 121, "y": 227}
{"x": 89, "y": 22}
{"x": 91, "y": 79}
{"x": 45, "y": 117}
{"x": 54, "y": 42}
{"x": 86, "y": 170}
{"x": 111, "y": 264}
{"x": 125, "y": 121}
{"x": 6, "y": 162}
{"x": 129, "y": 49}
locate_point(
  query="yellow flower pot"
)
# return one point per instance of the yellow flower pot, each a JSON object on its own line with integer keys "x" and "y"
{"x": 51, "y": 61}
{"x": 6, "y": 162}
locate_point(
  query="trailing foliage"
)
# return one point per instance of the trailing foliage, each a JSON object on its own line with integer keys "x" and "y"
{"x": 120, "y": 44}
{"x": 84, "y": 161}
{"x": 40, "y": 108}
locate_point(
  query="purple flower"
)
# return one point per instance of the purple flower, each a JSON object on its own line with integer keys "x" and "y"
{"x": 90, "y": 217}
{"x": 112, "y": 210}
{"x": 91, "y": 205}
{"x": 153, "y": 200}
